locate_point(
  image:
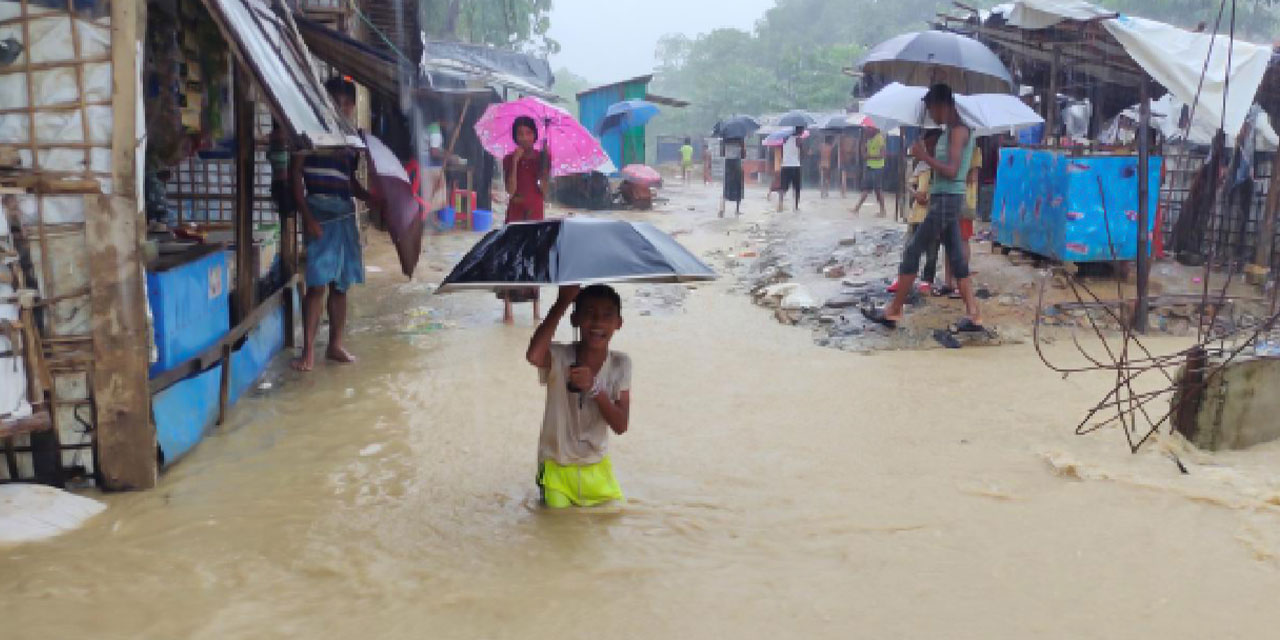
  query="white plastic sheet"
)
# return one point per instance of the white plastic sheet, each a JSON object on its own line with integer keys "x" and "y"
{"x": 13, "y": 373}
{"x": 1174, "y": 57}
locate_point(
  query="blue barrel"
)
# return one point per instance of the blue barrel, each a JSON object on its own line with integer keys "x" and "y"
{"x": 446, "y": 216}
{"x": 481, "y": 220}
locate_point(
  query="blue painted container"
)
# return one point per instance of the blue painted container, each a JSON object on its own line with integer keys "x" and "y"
{"x": 1065, "y": 208}
{"x": 481, "y": 220}
{"x": 185, "y": 411}
{"x": 190, "y": 309}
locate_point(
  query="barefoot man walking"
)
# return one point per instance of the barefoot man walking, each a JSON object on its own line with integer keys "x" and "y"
{"x": 323, "y": 185}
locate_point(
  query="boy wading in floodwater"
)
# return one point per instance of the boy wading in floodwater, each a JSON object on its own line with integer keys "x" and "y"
{"x": 588, "y": 395}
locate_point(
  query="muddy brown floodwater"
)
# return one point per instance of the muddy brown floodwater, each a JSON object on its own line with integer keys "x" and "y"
{"x": 776, "y": 490}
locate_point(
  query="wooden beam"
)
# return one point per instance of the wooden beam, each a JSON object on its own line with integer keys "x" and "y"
{"x": 210, "y": 356}
{"x": 1144, "y": 198}
{"x": 246, "y": 278}
{"x": 113, "y": 234}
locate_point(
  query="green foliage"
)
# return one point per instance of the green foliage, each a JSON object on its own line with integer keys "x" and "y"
{"x": 1256, "y": 20}
{"x": 516, "y": 24}
{"x": 794, "y": 59}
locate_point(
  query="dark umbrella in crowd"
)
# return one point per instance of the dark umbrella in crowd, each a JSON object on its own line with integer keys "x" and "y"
{"x": 797, "y": 119}
{"x": 924, "y": 58}
{"x": 735, "y": 127}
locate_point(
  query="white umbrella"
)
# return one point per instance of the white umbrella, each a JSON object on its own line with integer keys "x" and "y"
{"x": 986, "y": 113}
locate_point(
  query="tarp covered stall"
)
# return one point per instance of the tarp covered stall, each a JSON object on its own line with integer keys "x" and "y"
{"x": 1113, "y": 44}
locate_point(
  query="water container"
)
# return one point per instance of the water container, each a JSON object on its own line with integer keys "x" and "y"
{"x": 1268, "y": 344}
{"x": 481, "y": 220}
{"x": 445, "y": 216}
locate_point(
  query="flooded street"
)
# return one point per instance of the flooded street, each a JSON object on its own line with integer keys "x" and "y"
{"x": 776, "y": 489}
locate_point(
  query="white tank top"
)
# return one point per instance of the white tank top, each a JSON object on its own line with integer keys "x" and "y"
{"x": 791, "y": 152}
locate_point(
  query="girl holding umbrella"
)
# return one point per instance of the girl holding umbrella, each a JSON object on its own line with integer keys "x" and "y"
{"x": 526, "y": 175}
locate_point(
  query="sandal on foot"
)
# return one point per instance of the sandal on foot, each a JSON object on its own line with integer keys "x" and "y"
{"x": 946, "y": 339}
{"x": 943, "y": 291}
{"x": 877, "y": 316}
{"x": 967, "y": 326}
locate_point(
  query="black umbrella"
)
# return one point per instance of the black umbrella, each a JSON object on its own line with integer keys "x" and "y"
{"x": 735, "y": 127}
{"x": 797, "y": 119}
{"x": 927, "y": 57}
{"x": 574, "y": 251}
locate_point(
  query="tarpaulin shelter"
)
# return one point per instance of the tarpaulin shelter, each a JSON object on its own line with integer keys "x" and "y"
{"x": 1114, "y": 61}
{"x": 122, "y": 378}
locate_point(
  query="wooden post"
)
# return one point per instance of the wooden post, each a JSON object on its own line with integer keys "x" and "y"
{"x": 1051, "y": 104}
{"x": 1144, "y": 197}
{"x": 1263, "y": 255}
{"x": 224, "y": 385}
{"x": 246, "y": 278}
{"x": 113, "y": 232}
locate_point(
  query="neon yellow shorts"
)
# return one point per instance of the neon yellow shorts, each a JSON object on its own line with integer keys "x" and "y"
{"x": 578, "y": 485}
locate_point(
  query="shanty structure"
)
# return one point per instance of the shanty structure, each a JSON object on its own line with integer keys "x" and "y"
{"x": 1118, "y": 62}
{"x": 627, "y": 147}
{"x": 132, "y": 344}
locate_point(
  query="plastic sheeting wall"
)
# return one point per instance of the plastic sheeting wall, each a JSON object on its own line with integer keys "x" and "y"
{"x": 56, "y": 110}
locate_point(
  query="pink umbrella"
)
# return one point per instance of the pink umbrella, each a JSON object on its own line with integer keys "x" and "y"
{"x": 641, "y": 174}
{"x": 776, "y": 139}
{"x": 572, "y": 148}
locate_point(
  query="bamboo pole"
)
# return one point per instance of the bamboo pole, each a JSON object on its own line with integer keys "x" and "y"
{"x": 1144, "y": 156}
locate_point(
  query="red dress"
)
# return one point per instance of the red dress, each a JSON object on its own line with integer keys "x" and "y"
{"x": 527, "y": 203}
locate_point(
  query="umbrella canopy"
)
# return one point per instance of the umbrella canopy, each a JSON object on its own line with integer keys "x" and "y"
{"x": 641, "y": 174}
{"x": 986, "y": 113}
{"x": 735, "y": 127}
{"x": 845, "y": 121}
{"x": 777, "y": 138}
{"x": 574, "y": 251}
{"x": 627, "y": 114}
{"x": 927, "y": 57}
{"x": 402, "y": 213}
{"x": 797, "y": 119}
{"x": 572, "y": 148}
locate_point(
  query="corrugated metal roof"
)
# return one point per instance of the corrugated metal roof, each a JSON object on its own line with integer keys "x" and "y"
{"x": 269, "y": 44}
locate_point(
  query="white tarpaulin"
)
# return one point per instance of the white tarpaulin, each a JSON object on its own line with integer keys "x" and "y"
{"x": 1174, "y": 57}
{"x": 1042, "y": 14}
{"x": 987, "y": 113}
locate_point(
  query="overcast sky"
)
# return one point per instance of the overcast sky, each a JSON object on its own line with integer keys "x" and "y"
{"x": 608, "y": 40}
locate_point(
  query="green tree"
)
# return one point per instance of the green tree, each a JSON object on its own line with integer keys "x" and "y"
{"x": 794, "y": 58}
{"x": 516, "y": 24}
{"x": 1256, "y": 20}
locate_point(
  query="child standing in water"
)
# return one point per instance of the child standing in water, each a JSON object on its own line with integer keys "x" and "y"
{"x": 526, "y": 175}
{"x": 588, "y": 395}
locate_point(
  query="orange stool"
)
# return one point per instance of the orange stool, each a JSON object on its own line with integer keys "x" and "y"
{"x": 464, "y": 202}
